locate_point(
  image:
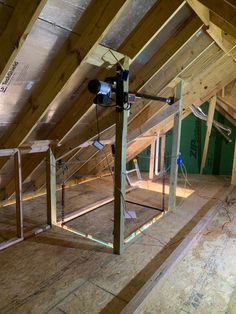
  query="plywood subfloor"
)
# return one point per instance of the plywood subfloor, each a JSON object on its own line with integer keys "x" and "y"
{"x": 58, "y": 272}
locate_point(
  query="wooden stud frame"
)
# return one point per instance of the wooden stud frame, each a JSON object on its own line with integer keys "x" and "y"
{"x": 120, "y": 162}
{"x": 175, "y": 148}
{"x": 51, "y": 195}
{"x": 18, "y": 188}
{"x": 51, "y": 187}
{"x": 120, "y": 178}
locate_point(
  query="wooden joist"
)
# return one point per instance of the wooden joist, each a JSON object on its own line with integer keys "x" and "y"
{"x": 120, "y": 162}
{"x": 165, "y": 53}
{"x": 223, "y": 9}
{"x": 175, "y": 151}
{"x": 51, "y": 188}
{"x": 148, "y": 27}
{"x": 18, "y": 28}
{"x": 101, "y": 15}
{"x": 220, "y": 19}
{"x": 137, "y": 303}
{"x": 210, "y": 118}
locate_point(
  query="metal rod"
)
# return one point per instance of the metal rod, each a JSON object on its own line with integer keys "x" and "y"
{"x": 169, "y": 100}
{"x": 88, "y": 236}
{"x": 11, "y": 242}
{"x": 147, "y": 206}
{"x": 142, "y": 228}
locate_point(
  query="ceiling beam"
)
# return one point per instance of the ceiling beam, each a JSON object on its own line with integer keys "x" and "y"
{"x": 18, "y": 28}
{"x": 148, "y": 27}
{"x": 223, "y": 9}
{"x": 159, "y": 59}
{"x": 101, "y": 15}
{"x": 219, "y": 28}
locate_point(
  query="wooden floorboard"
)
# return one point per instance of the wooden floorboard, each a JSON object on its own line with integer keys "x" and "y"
{"x": 58, "y": 272}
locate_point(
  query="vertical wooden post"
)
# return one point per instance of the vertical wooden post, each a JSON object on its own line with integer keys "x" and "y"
{"x": 233, "y": 177}
{"x": 175, "y": 148}
{"x": 163, "y": 147}
{"x": 18, "y": 188}
{"x": 120, "y": 163}
{"x": 51, "y": 188}
{"x": 152, "y": 160}
{"x": 210, "y": 116}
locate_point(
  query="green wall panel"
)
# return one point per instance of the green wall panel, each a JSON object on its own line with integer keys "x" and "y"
{"x": 220, "y": 154}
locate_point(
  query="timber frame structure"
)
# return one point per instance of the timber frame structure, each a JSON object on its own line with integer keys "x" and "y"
{"x": 185, "y": 49}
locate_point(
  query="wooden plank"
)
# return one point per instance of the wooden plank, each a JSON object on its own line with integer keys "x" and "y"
{"x": 18, "y": 188}
{"x": 107, "y": 121}
{"x": 120, "y": 163}
{"x": 208, "y": 82}
{"x": 22, "y": 20}
{"x": 222, "y": 9}
{"x": 233, "y": 176}
{"x": 8, "y": 152}
{"x": 101, "y": 15}
{"x": 51, "y": 188}
{"x": 224, "y": 25}
{"x": 9, "y": 243}
{"x": 150, "y": 26}
{"x": 136, "y": 304}
{"x": 163, "y": 114}
{"x": 225, "y": 41}
{"x": 87, "y": 209}
{"x": 167, "y": 51}
{"x": 229, "y": 101}
{"x": 71, "y": 118}
{"x": 175, "y": 148}
{"x": 163, "y": 148}
{"x": 152, "y": 161}
{"x": 211, "y": 111}
{"x": 223, "y": 110}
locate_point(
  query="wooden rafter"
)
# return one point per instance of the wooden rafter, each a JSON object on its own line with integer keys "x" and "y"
{"x": 198, "y": 47}
{"x": 22, "y": 20}
{"x": 220, "y": 19}
{"x": 148, "y": 27}
{"x": 223, "y": 9}
{"x": 210, "y": 116}
{"x": 165, "y": 53}
{"x": 101, "y": 15}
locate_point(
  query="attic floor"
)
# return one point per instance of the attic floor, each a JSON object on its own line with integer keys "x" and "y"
{"x": 58, "y": 272}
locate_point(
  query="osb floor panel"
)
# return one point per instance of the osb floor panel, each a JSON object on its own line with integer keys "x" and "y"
{"x": 58, "y": 272}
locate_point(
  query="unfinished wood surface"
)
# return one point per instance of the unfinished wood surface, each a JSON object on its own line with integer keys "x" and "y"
{"x": 21, "y": 22}
{"x": 210, "y": 118}
{"x": 122, "y": 87}
{"x": 51, "y": 185}
{"x": 163, "y": 145}
{"x": 79, "y": 270}
{"x": 18, "y": 193}
{"x": 136, "y": 304}
{"x": 175, "y": 147}
{"x": 223, "y": 9}
{"x": 149, "y": 27}
{"x": 167, "y": 51}
{"x": 152, "y": 161}
{"x": 217, "y": 21}
{"x": 67, "y": 62}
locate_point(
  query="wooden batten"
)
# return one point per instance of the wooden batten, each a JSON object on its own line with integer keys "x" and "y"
{"x": 175, "y": 148}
